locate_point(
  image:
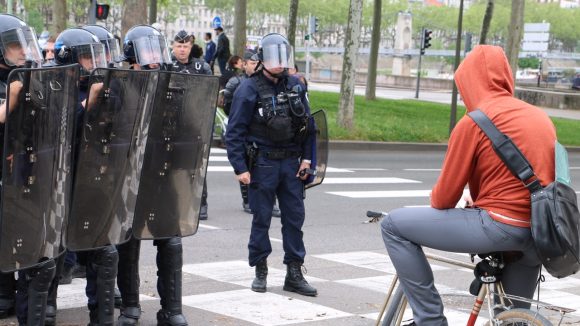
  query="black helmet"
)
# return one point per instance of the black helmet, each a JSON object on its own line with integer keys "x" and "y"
{"x": 276, "y": 52}
{"x": 145, "y": 45}
{"x": 111, "y": 44}
{"x": 76, "y": 44}
{"x": 18, "y": 42}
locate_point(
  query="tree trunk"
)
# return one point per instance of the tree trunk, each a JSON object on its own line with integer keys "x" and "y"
{"x": 292, "y": 22}
{"x": 152, "y": 11}
{"x": 374, "y": 55}
{"x": 59, "y": 14}
{"x": 486, "y": 21}
{"x": 134, "y": 13}
{"x": 240, "y": 27}
{"x": 515, "y": 35}
{"x": 345, "y": 117}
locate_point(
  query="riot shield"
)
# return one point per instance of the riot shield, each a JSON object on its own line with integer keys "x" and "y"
{"x": 109, "y": 152}
{"x": 36, "y": 170}
{"x": 320, "y": 148}
{"x": 176, "y": 157}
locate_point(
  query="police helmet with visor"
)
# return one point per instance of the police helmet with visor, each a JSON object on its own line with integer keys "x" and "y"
{"x": 276, "y": 52}
{"x": 18, "y": 43}
{"x": 76, "y": 45}
{"x": 145, "y": 45}
{"x": 111, "y": 44}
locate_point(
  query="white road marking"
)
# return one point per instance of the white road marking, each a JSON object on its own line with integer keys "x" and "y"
{"x": 365, "y": 169}
{"x": 367, "y": 180}
{"x": 73, "y": 295}
{"x": 368, "y": 260}
{"x": 262, "y": 308}
{"x": 227, "y": 168}
{"x": 422, "y": 170}
{"x": 215, "y": 150}
{"x": 209, "y": 227}
{"x": 382, "y": 193}
{"x": 218, "y": 158}
{"x": 275, "y": 240}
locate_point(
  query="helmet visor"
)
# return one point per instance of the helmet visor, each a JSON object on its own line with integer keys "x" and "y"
{"x": 151, "y": 49}
{"x": 90, "y": 57}
{"x": 20, "y": 45}
{"x": 278, "y": 56}
{"x": 112, "y": 50}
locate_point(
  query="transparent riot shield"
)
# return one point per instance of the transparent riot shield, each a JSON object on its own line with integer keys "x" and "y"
{"x": 109, "y": 151}
{"x": 320, "y": 148}
{"x": 176, "y": 157}
{"x": 36, "y": 169}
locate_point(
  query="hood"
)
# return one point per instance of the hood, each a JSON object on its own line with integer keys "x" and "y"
{"x": 484, "y": 73}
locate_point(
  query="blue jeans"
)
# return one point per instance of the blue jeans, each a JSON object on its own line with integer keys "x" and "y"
{"x": 406, "y": 230}
{"x": 271, "y": 178}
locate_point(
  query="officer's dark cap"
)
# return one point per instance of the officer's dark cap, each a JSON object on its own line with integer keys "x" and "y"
{"x": 182, "y": 37}
{"x": 250, "y": 55}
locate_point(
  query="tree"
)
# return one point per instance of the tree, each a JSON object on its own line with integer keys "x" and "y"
{"x": 134, "y": 13}
{"x": 345, "y": 117}
{"x": 486, "y": 21}
{"x": 59, "y": 16}
{"x": 240, "y": 27}
{"x": 292, "y": 22}
{"x": 374, "y": 55}
{"x": 152, "y": 11}
{"x": 515, "y": 34}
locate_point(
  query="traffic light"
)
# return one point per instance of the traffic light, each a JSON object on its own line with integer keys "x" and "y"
{"x": 102, "y": 11}
{"x": 313, "y": 25}
{"x": 425, "y": 40}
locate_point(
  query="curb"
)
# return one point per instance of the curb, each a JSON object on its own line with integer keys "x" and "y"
{"x": 397, "y": 146}
{"x": 346, "y": 145}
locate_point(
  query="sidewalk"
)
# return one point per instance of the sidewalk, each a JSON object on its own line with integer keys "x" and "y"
{"x": 425, "y": 95}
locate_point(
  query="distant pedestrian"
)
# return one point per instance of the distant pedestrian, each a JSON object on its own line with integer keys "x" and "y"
{"x": 210, "y": 48}
{"x": 196, "y": 50}
{"x": 223, "y": 49}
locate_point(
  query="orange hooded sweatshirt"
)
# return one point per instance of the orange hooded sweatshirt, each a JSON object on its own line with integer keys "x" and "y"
{"x": 485, "y": 82}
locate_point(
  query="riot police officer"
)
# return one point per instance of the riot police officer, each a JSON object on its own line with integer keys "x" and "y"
{"x": 111, "y": 44}
{"x": 184, "y": 62}
{"x": 144, "y": 47}
{"x": 269, "y": 144}
{"x": 76, "y": 45}
{"x": 18, "y": 45}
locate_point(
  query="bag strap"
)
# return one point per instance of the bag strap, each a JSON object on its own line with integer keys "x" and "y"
{"x": 507, "y": 151}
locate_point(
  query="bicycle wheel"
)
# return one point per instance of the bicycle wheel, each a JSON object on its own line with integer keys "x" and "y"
{"x": 517, "y": 317}
{"x": 395, "y": 309}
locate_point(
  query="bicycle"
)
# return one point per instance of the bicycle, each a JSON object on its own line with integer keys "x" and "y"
{"x": 487, "y": 288}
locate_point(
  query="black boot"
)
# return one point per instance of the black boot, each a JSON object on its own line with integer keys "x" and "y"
{"x": 129, "y": 316}
{"x": 128, "y": 282}
{"x": 295, "y": 281}
{"x": 7, "y": 291}
{"x": 50, "y": 316}
{"x": 169, "y": 282}
{"x": 105, "y": 264}
{"x": 259, "y": 283}
{"x": 37, "y": 281}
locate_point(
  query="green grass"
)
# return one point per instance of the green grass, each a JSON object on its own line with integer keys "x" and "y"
{"x": 408, "y": 120}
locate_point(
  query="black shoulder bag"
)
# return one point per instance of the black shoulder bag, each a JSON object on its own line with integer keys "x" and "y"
{"x": 555, "y": 219}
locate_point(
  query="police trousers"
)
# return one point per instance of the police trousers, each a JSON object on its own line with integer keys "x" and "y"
{"x": 271, "y": 178}
{"x": 470, "y": 230}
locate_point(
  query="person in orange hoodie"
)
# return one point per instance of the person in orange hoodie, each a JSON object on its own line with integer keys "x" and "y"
{"x": 498, "y": 214}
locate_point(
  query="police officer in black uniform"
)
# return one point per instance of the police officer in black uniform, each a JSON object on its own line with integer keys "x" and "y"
{"x": 269, "y": 143}
{"x": 154, "y": 55}
{"x": 18, "y": 45}
{"x": 76, "y": 45}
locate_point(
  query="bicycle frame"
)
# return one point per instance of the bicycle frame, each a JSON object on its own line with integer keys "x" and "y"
{"x": 485, "y": 294}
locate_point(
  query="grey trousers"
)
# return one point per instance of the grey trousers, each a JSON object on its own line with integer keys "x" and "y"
{"x": 470, "y": 230}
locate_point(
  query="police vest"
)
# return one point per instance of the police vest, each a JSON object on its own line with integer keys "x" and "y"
{"x": 280, "y": 118}
{"x": 193, "y": 67}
